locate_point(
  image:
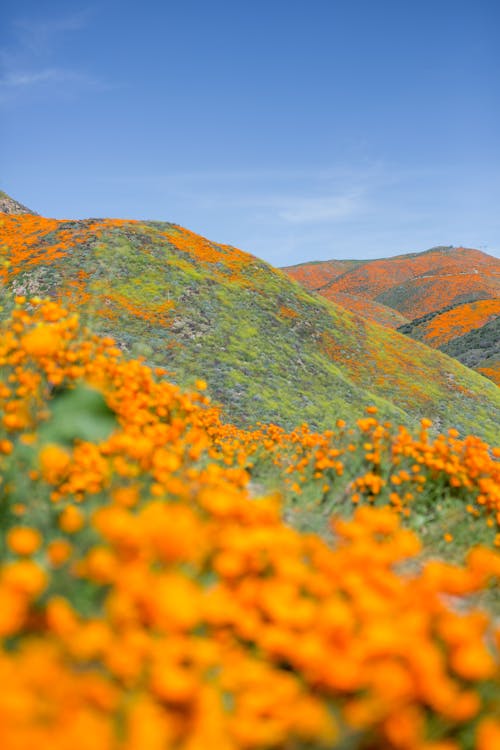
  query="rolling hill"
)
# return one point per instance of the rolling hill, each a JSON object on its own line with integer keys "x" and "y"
{"x": 442, "y": 297}
{"x": 440, "y": 328}
{"x": 368, "y": 308}
{"x": 414, "y": 284}
{"x": 469, "y": 332}
{"x": 317, "y": 274}
{"x": 269, "y": 350}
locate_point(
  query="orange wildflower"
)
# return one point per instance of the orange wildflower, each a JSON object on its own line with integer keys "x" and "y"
{"x": 71, "y": 519}
{"x": 42, "y": 341}
{"x": 24, "y": 540}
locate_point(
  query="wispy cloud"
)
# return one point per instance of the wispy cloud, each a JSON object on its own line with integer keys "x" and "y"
{"x": 282, "y": 201}
{"x": 333, "y": 175}
{"x": 29, "y": 63}
{"x": 309, "y": 205}
{"x": 39, "y": 35}
{"x": 25, "y": 79}
{"x": 19, "y": 80}
{"x": 56, "y": 82}
{"x": 323, "y": 208}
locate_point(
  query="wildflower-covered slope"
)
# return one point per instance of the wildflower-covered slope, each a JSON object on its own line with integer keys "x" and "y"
{"x": 415, "y": 284}
{"x": 368, "y": 308}
{"x": 269, "y": 350}
{"x": 316, "y": 276}
{"x": 150, "y": 601}
{"x": 469, "y": 331}
{"x": 442, "y": 297}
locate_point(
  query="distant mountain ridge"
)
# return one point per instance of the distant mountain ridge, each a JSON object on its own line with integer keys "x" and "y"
{"x": 269, "y": 350}
{"x": 422, "y": 288}
{"x": 413, "y": 284}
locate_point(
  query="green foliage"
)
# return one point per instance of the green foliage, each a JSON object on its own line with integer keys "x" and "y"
{"x": 78, "y": 414}
{"x": 476, "y": 346}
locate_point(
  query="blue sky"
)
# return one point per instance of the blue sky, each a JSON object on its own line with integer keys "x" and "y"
{"x": 293, "y": 129}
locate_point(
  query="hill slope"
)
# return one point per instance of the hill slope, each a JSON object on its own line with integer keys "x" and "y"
{"x": 368, "y": 308}
{"x": 418, "y": 283}
{"x": 440, "y": 328}
{"x": 479, "y": 348}
{"x": 316, "y": 274}
{"x": 10, "y": 206}
{"x": 435, "y": 297}
{"x": 269, "y": 350}
{"x": 469, "y": 332}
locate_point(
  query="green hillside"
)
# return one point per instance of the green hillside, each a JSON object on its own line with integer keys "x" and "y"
{"x": 477, "y": 348}
{"x": 469, "y": 331}
{"x": 269, "y": 350}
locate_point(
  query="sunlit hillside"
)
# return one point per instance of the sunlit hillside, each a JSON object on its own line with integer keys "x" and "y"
{"x": 269, "y": 350}
{"x": 413, "y": 284}
{"x": 368, "y": 308}
{"x": 470, "y": 332}
{"x": 443, "y": 297}
{"x": 317, "y": 274}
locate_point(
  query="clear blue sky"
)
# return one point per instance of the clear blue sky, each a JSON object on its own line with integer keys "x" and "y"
{"x": 293, "y": 129}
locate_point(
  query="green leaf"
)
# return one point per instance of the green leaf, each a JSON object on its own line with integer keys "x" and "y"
{"x": 79, "y": 414}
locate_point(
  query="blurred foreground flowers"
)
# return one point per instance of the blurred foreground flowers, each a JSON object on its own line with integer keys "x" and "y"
{"x": 149, "y": 601}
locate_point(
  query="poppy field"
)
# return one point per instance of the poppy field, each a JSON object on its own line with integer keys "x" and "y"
{"x": 171, "y": 580}
{"x": 446, "y": 297}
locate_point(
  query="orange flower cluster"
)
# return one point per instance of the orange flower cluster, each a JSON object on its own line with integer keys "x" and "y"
{"x": 319, "y": 273}
{"x": 367, "y": 308}
{"x": 492, "y": 371}
{"x": 458, "y": 321}
{"x": 34, "y": 240}
{"x": 230, "y": 260}
{"x": 467, "y": 467}
{"x": 374, "y": 463}
{"x": 287, "y": 312}
{"x": 149, "y": 600}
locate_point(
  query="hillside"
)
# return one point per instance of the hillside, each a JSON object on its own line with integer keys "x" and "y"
{"x": 269, "y": 350}
{"x": 479, "y": 348}
{"x": 469, "y": 332}
{"x": 316, "y": 274}
{"x": 418, "y": 283}
{"x": 368, "y": 308}
{"x": 440, "y": 328}
{"x": 10, "y": 206}
{"x": 438, "y": 297}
